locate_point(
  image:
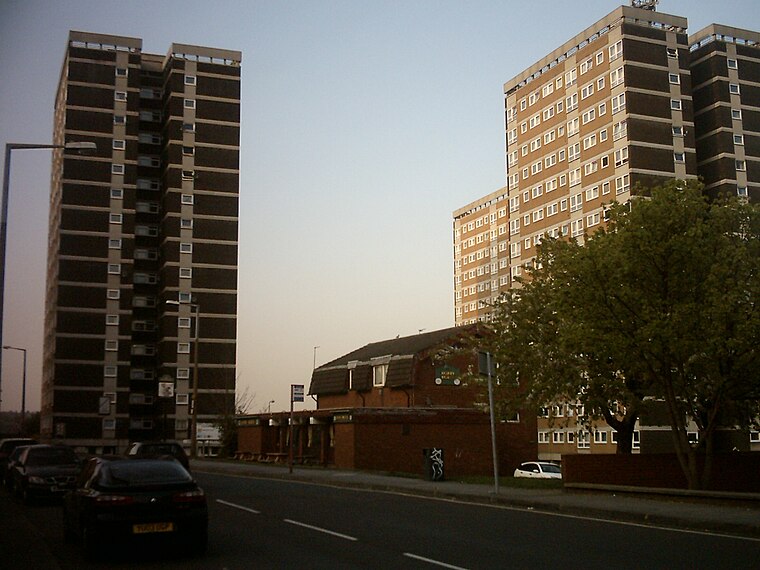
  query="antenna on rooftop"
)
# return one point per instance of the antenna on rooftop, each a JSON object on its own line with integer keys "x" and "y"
{"x": 645, "y": 4}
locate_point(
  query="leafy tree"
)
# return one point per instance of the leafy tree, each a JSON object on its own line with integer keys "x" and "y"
{"x": 659, "y": 306}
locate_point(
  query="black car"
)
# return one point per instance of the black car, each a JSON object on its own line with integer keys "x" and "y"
{"x": 44, "y": 471}
{"x": 6, "y": 448}
{"x": 156, "y": 449}
{"x": 137, "y": 500}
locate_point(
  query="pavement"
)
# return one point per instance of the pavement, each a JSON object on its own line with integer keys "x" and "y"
{"x": 22, "y": 545}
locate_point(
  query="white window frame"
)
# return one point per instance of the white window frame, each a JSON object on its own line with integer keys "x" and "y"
{"x": 618, "y": 103}
{"x": 379, "y": 375}
{"x": 616, "y": 50}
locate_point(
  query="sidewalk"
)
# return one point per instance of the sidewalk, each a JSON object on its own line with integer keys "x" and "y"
{"x": 711, "y": 512}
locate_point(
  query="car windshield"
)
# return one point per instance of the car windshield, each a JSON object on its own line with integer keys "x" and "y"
{"x": 139, "y": 473}
{"x": 51, "y": 456}
{"x": 550, "y": 468}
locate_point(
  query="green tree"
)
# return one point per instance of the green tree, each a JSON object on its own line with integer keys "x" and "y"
{"x": 659, "y": 306}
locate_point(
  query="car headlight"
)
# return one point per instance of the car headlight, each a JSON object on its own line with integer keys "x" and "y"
{"x": 36, "y": 480}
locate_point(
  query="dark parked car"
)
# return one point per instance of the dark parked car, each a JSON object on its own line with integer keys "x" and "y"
{"x": 45, "y": 471}
{"x": 6, "y": 448}
{"x": 159, "y": 449}
{"x": 118, "y": 498}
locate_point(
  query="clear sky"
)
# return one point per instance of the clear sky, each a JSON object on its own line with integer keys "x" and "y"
{"x": 365, "y": 124}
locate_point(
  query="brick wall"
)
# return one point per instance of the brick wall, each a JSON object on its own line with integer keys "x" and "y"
{"x": 250, "y": 439}
{"x": 731, "y": 471}
{"x": 395, "y": 443}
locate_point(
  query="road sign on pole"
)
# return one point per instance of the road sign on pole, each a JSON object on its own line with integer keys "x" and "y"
{"x": 487, "y": 367}
{"x": 296, "y": 395}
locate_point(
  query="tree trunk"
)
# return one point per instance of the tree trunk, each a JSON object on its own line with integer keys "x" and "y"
{"x": 624, "y": 427}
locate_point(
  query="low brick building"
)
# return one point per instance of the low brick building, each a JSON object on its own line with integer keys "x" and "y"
{"x": 387, "y": 405}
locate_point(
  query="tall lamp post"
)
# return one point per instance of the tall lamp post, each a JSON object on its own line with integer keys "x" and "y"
{"x": 196, "y": 308}
{"x": 23, "y": 386}
{"x": 81, "y": 146}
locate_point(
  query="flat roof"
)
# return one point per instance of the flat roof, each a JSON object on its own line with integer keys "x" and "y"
{"x": 483, "y": 202}
{"x": 649, "y": 17}
{"x": 724, "y": 33}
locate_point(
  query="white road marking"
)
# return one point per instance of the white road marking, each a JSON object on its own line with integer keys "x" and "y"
{"x": 463, "y": 500}
{"x": 431, "y": 561}
{"x": 241, "y": 507}
{"x": 318, "y": 529}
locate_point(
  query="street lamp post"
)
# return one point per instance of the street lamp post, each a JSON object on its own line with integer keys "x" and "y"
{"x": 81, "y": 146}
{"x": 194, "y": 402}
{"x": 23, "y": 386}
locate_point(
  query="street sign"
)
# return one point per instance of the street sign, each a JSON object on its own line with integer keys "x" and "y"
{"x": 486, "y": 364}
{"x": 296, "y": 392}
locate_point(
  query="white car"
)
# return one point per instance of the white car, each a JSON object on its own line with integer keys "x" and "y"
{"x": 539, "y": 470}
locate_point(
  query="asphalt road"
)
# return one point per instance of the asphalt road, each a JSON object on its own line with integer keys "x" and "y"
{"x": 267, "y": 523}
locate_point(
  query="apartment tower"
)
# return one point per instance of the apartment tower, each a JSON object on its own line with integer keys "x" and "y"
{"x": 141, "y": 299}
{"x": 607, "y": 110}
{"x": 725, "y": 71}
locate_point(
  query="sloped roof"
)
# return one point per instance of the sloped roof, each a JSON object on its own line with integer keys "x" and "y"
{"x": 404, "y": 346}
{"x": 332, "y": 377}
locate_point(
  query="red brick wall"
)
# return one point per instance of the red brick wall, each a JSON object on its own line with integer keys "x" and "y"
{"x": 395, "y": 443}
{"x": 731, "y": 471}
{"x": 250, "y": 439}
{"x": 344, "y": 446}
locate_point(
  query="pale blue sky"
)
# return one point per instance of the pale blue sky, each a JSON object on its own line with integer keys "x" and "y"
{"x": 364, "y": 125}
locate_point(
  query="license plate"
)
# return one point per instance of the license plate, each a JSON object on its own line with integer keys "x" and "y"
{"x": 152, "y": 527}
